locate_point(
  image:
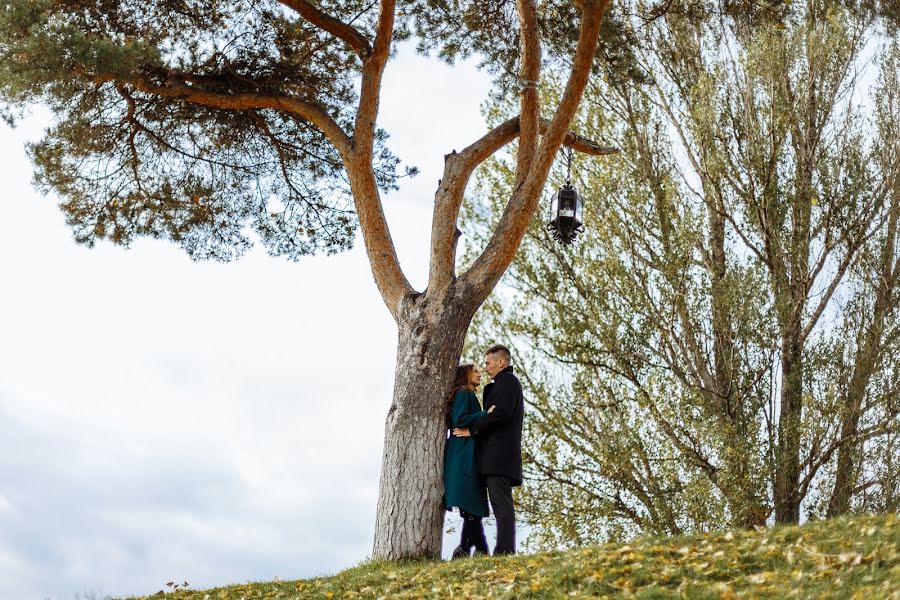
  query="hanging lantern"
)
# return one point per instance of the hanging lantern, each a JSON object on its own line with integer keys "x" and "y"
{"x": 566, "y": 212}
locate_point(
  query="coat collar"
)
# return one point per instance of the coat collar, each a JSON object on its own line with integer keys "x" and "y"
{"x": 508, "y": 369}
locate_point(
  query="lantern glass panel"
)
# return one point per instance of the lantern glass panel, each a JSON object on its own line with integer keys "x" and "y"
{"x": 567, "y": 202}
{"x": 554, "y": 208}
{"x": 579, "y": 209}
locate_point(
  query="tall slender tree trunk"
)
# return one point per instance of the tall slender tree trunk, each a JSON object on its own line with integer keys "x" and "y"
{"x": 723, "y": 336}
{"x": 846, "y": 473}
{"x": 410, "y": 514}
{"x": 787, "y": 460}
{"x": 746, "y": 502}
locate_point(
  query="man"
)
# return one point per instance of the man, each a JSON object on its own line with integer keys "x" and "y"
{"x": 499, "y": 440}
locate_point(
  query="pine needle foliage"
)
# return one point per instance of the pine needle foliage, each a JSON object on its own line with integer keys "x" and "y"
{"x": 127, "y": 162}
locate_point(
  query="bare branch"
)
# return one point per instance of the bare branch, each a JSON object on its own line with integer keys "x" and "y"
{"x": 350, "y": 35}
{"x": 134, "y": 127}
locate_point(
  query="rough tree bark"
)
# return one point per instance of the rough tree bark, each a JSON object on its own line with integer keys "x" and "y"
{"x": 410, "y": 512}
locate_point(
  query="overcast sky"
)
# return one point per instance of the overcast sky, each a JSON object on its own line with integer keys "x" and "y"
{"x": 162, "y": 419}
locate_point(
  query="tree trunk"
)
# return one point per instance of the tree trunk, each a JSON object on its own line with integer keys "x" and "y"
{"x": 850, "y": 452}
{"x": 846, "y": 472}
{"x": 787, "y": 460}
{"x": 745, "y": 500}
{"x": 410, "y": 514}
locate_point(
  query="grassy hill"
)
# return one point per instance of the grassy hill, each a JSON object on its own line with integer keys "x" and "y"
{"x": 855, "y": 557}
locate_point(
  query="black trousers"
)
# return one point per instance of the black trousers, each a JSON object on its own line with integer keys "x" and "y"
{"x": 472, "y": 533}
{"x": 500, "y": 493}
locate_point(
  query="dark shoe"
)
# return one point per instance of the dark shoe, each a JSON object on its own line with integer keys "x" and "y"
{"x": 459, "y": 552}
{"x": 481, "y": 547}
{"x": 477, "y": 537}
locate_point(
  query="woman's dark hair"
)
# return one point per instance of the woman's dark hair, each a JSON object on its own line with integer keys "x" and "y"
{"x": 461, "y": 381}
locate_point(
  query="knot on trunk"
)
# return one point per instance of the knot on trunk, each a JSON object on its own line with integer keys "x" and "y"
{"x": 420, "y": 351}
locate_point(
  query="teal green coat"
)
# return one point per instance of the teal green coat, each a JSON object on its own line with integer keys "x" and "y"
{"x": 463, "y": 486}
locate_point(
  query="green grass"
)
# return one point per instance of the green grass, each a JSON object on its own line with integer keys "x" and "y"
{"x": 854, "y": 557}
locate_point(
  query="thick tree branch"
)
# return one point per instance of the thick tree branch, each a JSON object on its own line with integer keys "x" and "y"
{"x": 392, "y": 283}
{"x": 179, "y": 87}
{"x": 370, "y": 88}
{"x": 326, "y": 22}
{"x": 389, "y": 277}
{"x": 458, "y": 169}
{"x": 390, "y": 280}
{"x": 529, "y": 76}
{"x": 498, "y": 254}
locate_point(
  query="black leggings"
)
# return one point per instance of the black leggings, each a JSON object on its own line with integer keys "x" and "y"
{"x": 472, "y": 533}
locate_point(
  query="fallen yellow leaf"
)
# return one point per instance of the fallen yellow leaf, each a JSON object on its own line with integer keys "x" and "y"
{"x": 725, "y": 592}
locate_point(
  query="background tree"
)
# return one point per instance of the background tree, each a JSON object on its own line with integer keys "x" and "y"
{"x": 719, "y": 346}
{"x": 198, "y": 121}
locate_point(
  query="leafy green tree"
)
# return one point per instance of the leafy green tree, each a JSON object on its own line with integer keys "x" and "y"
{"x": 719, "y": 346}
{"x": 200, "y": 121}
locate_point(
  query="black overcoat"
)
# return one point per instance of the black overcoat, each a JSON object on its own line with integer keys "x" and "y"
{"x": 499, "y": 434}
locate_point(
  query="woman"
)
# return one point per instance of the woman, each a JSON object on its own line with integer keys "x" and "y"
{"x": 463, "y": 486}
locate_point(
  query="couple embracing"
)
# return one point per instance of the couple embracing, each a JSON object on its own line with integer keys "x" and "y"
{"x": 483, "y": 454}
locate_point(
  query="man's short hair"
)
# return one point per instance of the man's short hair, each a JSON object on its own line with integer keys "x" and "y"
{"x": 502, "y": 350}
